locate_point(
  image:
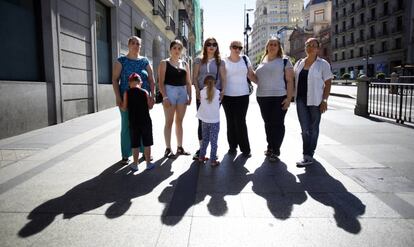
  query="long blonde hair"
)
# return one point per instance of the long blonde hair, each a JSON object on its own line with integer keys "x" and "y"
{"x": 210, "y": 83}
{"x": 280, "y": 52}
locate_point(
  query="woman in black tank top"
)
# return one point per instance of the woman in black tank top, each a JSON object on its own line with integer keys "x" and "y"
{"x": 175, "y": 87}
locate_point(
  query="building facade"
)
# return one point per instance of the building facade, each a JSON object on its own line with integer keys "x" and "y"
{"x": 371, "y": 36}
{"x": 270, "y": 17}
{"x": 317, "y": 24}
{"x": 57, "y": 64}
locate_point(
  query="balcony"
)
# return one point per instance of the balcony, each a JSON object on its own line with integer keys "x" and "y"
{"x": 170, "y": 24}
{"x": 382, "y": 34}
{"x": 372, "y": 19}
{"x": 372, "y": 36}
{"x": 350, "y": 42}
{"x": 397, "y": 10}
{"x": 361, "y": 6}
{"x": 361, "y": 39}
{"x": 372, "y": 2}
{"x": 159, "y": 9}
{"x": 397, "y": 30}
{"x": 360, "y": 23}
{"x": 350, "y": 27}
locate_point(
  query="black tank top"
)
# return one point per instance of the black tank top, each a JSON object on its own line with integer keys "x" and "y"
{"x": 138, "y": 111}
{"x": 175, "y": 76}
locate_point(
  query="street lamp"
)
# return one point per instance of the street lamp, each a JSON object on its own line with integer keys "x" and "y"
{"x": 247, "y": 29}
{"x": 366, "y": 59}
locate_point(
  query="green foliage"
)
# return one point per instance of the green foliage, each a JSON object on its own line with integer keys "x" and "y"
{"x": 346, "y": 76}
{"x": 380, "y": 75}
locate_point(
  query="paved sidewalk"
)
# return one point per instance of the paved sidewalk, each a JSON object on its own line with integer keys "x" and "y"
{"x": 63, "y": 186}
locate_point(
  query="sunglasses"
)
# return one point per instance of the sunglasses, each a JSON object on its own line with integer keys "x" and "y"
{"x": 312, "y": 45}
{"x": 211, "y": 44}
{"x": 235, "y": 47}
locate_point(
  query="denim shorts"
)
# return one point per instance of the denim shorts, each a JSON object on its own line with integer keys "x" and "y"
{"x": 177, "y": 95}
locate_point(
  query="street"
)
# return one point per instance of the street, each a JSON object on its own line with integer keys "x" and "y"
{"x": 63, "y": 186}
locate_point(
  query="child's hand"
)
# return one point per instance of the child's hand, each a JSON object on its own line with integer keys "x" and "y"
{"x": 150, "y": 103}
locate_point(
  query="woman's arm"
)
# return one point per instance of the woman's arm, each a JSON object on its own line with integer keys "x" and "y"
{"x": 150, "y": 101}
{"x": 326, "y": 90}
{"x": 161, "y": 82}
{"x": 188, "y": 82}
{"x": 196, "y": 71}
{"x": 116, "y": 72}
{"x": 289, "y": 75}
{"x": 223, "y": 78}
{"x": 252, "y": 75}
{"x": 151, "y": 80}
{"x": 124, "y": 104}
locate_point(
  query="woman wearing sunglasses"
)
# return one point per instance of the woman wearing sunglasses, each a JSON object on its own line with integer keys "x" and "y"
{"x": 313, "y": 78}
{"x": 236, "y": 99}
{"x": 175, "y": 87}
{"x": 274, "y": 93}
{"x": 210, "y": 63}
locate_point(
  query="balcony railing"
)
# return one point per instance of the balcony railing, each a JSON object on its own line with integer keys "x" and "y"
{"x": 371, "y": 2}
{"x": 171, "y": 24}
{"x": 159, "y": 10}
{"x": 397, "y": 30}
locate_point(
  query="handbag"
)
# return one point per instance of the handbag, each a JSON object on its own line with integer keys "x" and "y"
{"x": 249, "y": 83}
{"x": 158, "y": 97}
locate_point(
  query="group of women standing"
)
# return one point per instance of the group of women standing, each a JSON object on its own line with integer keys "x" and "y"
{"x": 278, "y": 82}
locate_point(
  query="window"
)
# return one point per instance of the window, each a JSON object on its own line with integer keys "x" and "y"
{"x": 352, "y": 38}
{"x": 385, "y": 8}
{"x": 336, "y": 57}
{"x": 384, "y": 28}
{"x": 336, "y": 28}
{"x": 361, "y": 18}
{"x": 361, "y": 51}
{"x": 21, "y": 24}
{"x": 336, "y": 42}
{"x": 398, "y": 43}
{"x": 371, "y": 49}
{"x": 343, "y": 40}
{"x": 351, "y": 54}
{"x": 384, "y": 46}
{"x": 343, "y": 55}
{"x": 352, "y": 22}
{"x": 103, "y": 43}
{"x": 336, "y": 15}
{"x": 373, "y": 14}
{"x": 372, "y": 32}
{"x": 344, "y": 12}
{"x": 399, "y": 23}
{"x": 361, "y": 34}
{"x": 343, "y": 26}
{"x": 319, "y": 15}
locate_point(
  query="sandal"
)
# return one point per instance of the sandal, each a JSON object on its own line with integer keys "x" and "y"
{"x": 180, "y": 151}
{"x": 215, "y": 163}
{"x": 268, "y": 152}
{"x": 202, "y": 159}
{"x": 168, "y": 153}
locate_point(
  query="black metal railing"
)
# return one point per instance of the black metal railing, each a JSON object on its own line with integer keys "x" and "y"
{"x": 391, "y": 100}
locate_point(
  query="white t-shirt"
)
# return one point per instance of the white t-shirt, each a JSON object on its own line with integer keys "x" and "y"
{"x": 209, "y": 112}
{"x": 236, "y": 74}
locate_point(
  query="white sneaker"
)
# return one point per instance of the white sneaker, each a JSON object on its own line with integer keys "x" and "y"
{"x": 306, "y": 161}
{"x": 133, "y": 167}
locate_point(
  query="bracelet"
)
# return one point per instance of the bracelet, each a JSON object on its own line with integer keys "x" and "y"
{"x": 165, "y": 98}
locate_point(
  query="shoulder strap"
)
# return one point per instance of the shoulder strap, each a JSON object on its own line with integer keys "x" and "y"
{"x": 245, "y": 61}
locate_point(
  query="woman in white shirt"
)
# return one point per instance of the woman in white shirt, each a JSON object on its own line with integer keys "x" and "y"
{"x": 274, "y": 93}
{"x": 313, "y": 78}
{"x": 236, "y": 99}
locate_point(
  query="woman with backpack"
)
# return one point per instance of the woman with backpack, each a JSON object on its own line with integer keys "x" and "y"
{"x": 274, "y": 78}
{"x": 236, "y": 99}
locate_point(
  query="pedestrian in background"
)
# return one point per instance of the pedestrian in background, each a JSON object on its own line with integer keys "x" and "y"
{"x": 210, "y": 63}
{"x": 123, "y": 67}
{"x": 236, "y": 99}
{"x": 175, "y": 87}
{"x": 137, "y": 102}
{"x": 313, "y": 78}
{"x": 274, "y": 78}
{"x": 209, "y": 114}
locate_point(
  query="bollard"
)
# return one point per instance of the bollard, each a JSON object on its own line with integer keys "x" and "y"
{"x": 361, "y": 107}
{"x": 394, "y": 79}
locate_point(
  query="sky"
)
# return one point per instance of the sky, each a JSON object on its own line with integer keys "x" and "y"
{"x": 224, "y": 20}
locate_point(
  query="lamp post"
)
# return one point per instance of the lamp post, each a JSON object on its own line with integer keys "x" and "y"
{"x": 367, "y": 58}
{"x": 247, "y": 29}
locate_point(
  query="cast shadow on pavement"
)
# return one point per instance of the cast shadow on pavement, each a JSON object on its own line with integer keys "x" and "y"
{"x": 200, "y": 181}
{"x": 331, "y": 192}
{"x": 117, "y": 185}
{"x": 278, "y": 186}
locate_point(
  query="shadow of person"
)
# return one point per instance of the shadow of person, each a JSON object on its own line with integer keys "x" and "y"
{"x": 201, "y": 180}
{"x": 331, "y": 192}
{"x": 116, "y": 184}
{"x": 278, "y": 186}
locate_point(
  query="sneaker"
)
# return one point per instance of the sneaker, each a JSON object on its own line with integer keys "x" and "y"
{"x": 125, "y": 160}
{"x": 195, "y": 156}
{"x": 168, "y": 153}
{"x": 133, "y": 167}
{"x": 268, "y": 152}
{"x": 306, "y": 161}
{"x": 274, "y": 158}
{"x": 150, "y": 166}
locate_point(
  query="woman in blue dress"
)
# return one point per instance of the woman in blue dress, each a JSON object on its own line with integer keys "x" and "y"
{"x": 123, "y": 67}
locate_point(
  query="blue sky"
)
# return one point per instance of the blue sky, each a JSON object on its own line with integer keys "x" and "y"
{"x": 223, "y": 20}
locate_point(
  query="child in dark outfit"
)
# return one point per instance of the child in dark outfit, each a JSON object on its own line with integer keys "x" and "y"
{"x": 137, "y": 101}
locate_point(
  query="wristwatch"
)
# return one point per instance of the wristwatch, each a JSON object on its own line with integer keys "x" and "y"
{"x": 325, "y": 100}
